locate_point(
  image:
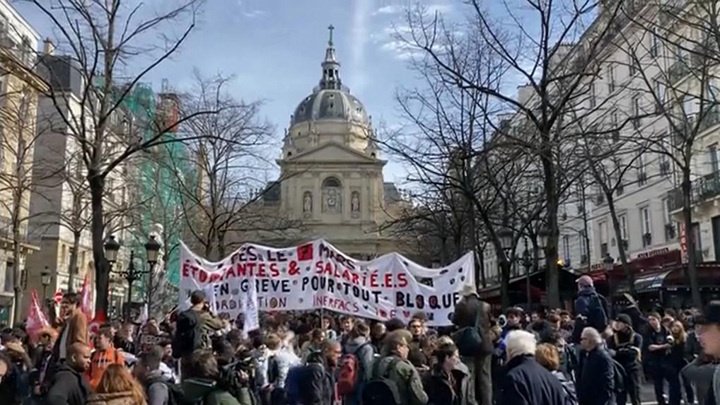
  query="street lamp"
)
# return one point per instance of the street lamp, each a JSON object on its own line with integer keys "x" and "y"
{"x": 112, "y": 247}
{"x": 505, "y": 235}
{"x": 45, "y": 279}
{"x": 152, "y": 249}
{"x": 609, "y": 265}
{"x": 527, "y": 262}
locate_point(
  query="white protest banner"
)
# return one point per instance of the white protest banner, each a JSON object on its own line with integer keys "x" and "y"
{"x": 315, "y": 275}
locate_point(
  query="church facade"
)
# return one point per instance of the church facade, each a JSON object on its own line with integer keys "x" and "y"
{"x": 331, "y": 180}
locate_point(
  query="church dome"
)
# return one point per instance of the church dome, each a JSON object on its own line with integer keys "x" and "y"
{"x": 330, "y": 104}
{"x": 330, "y": 100}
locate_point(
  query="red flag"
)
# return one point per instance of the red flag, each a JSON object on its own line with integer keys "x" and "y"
{"x": 36, "y": 320}
{"x": 85, "y": 298}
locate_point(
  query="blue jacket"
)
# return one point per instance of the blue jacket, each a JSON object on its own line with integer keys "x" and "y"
{"x": 596, "y": 380}
{"x": 529, "y": 383}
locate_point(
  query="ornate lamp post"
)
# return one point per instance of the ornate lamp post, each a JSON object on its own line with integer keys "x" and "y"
{"x": 45, "y": 279}
{"x": 152, "y": 248}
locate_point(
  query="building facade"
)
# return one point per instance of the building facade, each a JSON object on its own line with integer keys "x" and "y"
{"x": 18, "y": 108}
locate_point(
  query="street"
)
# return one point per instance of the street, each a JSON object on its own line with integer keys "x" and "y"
{"x": 647, "y": 394}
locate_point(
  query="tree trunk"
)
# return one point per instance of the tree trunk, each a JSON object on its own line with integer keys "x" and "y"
{"x": 73, "y": 266}
{"x": 690, "y": 241}
{"x": 17, "y": 274}
{"x": 621, "y": 249}
{"x": 504, "y": 282}
{"x": 552, "y": 275}
{"x": 97, "y": 229}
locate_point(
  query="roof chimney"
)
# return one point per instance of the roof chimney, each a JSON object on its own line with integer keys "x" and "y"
{"x": 48, "y": 47}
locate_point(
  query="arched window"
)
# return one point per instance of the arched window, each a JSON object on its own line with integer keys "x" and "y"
{"x": 332, "y": 195}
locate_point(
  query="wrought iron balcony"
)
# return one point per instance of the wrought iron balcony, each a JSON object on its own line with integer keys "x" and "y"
{"x": 678, "y": 70}
{"x": 703, "y": 188}
{"x": 707, "y": 186}
{"x": 710, "y": 119}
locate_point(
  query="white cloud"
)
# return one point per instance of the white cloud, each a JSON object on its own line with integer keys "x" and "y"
{"x": 439, "y": 8}
{"x": 389, "y": 9}
{"x": 253, "y": 13}
{"x": 400, "y": 50}
{"x": 247, "y": 11}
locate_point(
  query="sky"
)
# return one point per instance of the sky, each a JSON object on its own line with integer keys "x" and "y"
{"x": 273, "y": 48}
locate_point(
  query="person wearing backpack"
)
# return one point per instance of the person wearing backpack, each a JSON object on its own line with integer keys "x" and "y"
{"x": 202, "y": 384}
{"x": 273, "y": 368}
{"x": 313, "y": 383}
{"x": 476, "y": 348}
{"x": 591, "y": 309}
{"x": 157, "y": 386}
{"x": 394, "y": 381}
{"x": 356, "y": 364}
{"x": 193, "y": 330}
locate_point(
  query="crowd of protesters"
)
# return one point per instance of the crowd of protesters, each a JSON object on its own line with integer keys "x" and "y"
{"x": 550, "y": 357}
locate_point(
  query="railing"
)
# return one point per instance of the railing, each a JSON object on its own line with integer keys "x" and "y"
{"x": 707, "y": 186}
{"x": 675, "y": 199}
{"x": 703, "y": 188}
{"x": 678, "y": 70}
{"x": 711, "y": 118}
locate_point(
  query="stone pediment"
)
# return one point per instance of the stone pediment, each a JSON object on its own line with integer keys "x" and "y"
{"x": 332, "y": 152}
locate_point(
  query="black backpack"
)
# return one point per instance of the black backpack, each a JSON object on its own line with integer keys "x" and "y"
{"x": 597, "y": 316}
{"x": 619, "y": 376}
{"x": 381, "y": 389}
{"x": 188, "y": 335}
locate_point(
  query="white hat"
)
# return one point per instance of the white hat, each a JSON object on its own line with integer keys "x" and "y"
{"x": 468, "y": 290}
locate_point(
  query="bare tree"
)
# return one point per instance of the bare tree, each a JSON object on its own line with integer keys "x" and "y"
{"x": 455, "y": 153}
{"x": 673, "y": 46}
{"x": 538, "y": 56}
{"x": 111, "y": 43}
{"x": 220, "y": 178}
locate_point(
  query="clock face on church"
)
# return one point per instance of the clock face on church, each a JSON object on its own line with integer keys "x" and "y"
{"x": 331, "y": 198}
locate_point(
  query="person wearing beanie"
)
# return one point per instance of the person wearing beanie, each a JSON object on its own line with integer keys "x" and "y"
{"x": 591, "y": 309}
{"x": 625, "y": 347}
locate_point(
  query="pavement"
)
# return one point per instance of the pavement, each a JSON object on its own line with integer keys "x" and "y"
{"x": 647, "y": 395}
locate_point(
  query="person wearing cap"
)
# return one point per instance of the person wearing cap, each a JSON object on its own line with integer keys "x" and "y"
{"x": 709, "y": 335}
{"x": 470, "y": 311}
{"x": 625, "y": 346}
{"x": 591, "y": 308}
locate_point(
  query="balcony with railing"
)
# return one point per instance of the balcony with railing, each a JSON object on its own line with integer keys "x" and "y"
{"x": 678, "y": 70}
{"x": 703, "y": 189}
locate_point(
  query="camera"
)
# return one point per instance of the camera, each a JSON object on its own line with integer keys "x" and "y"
{"x": 502, "y": 321}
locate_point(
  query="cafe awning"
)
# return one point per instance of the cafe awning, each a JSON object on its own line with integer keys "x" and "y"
{"x": 646, "y": 282}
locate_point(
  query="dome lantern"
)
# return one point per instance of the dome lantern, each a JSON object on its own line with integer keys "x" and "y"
{"x": 330, "y": 100}
{"x": 330, "y": 66}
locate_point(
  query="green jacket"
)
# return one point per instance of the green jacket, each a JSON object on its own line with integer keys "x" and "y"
{"x": 207, "y": 391}
{"x": 405, "y": 377}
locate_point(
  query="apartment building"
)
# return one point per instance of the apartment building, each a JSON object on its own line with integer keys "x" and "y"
{"x": 18, "y": 107}
{"x": 645, "y": 97}
{"x": 652, "y": 106}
